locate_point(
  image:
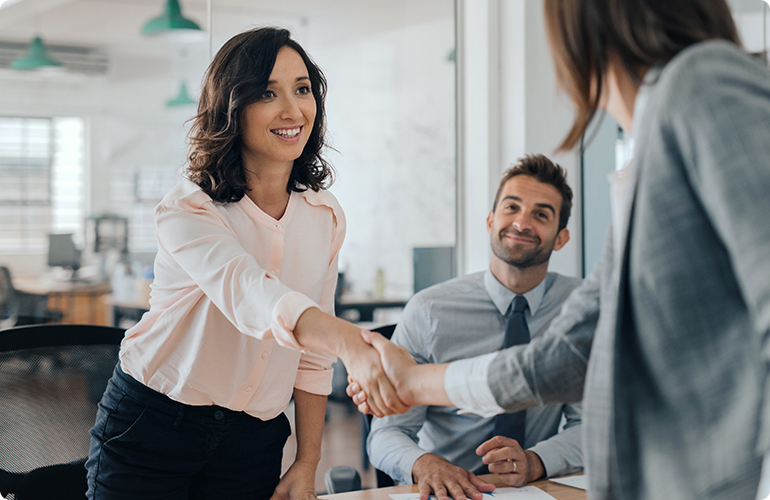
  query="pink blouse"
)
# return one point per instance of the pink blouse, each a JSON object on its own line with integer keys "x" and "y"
{"x": 230, "y": 284}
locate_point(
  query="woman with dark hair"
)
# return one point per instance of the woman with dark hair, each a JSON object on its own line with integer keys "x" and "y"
{"x": 666, "y": 342}
{"x": 241, "y": 311}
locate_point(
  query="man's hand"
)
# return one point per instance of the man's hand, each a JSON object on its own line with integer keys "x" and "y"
{"x": 513, "y": 465}
{"x": 297, "y": 484}
{"x": 433, "y": 474}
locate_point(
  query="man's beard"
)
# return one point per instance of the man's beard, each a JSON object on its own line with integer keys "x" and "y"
{"x": 515, "y": 257}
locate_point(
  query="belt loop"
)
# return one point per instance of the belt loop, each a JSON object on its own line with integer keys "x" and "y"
{"x": 179, "y": 417}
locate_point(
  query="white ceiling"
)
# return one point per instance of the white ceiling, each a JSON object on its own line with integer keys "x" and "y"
{"x": 113, "y": 25}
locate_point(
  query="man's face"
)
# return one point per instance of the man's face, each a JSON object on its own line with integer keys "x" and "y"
{"x": 525, "y": 223}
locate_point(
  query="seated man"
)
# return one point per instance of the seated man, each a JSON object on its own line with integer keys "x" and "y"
{"x": 514, "y": 300}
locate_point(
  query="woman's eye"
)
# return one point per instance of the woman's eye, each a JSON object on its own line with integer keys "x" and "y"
{"x": 303, "y": 90}
{"x": 268, "y": 94}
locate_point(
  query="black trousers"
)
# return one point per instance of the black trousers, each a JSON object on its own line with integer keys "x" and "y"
{"x": 146, "y": 446}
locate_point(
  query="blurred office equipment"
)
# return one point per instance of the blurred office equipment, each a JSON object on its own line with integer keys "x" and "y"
{"x": 21, "y": 308}
{"x": 107, "y": 243}
{"x": 62, "y": 252}
{"x": 107, "y": 232}
{"x": 432, "y": 265}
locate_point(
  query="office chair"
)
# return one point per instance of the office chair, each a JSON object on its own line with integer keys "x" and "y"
{"x": 21, "y": 308}
{"x": 51, "y": 379}
{"x": 342, "y": 478}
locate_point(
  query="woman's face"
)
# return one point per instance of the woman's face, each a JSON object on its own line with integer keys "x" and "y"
{"x": 275, "y": 129}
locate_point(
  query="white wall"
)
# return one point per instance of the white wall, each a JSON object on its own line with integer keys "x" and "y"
{"x": 511, "y": 106}
{"x": 391, "y": 120}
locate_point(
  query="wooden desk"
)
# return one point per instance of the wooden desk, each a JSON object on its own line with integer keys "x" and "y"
{"x": 80, "y": 303}
{"x": 558, "y": 491}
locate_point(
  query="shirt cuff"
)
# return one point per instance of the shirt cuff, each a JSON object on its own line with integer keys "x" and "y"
{"x": 405, "y": 466}
{"x": 315, "y": 381}
{"x": 286, "y": 313}
{"x": 465, "y": 382}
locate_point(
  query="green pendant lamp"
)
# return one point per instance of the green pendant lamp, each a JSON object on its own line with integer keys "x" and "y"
{"x": 171, "y": 20}
{"x": 35, "y": 58}
{"x": 182, "y": 98}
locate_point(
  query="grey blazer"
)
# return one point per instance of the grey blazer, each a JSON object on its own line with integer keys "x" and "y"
{"x": 668, "y": 345}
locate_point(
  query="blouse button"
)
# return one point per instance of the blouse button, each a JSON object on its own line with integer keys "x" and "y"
{"x": 278, "y": 226}
{"x": 249, "y": 389}
{"x": 264, "y": 355}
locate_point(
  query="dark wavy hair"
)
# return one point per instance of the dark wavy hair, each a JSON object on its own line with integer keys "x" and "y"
{"x": 585, "y": 33}
{"x": 237, "y": 77}
{"x": 540, "y": 168}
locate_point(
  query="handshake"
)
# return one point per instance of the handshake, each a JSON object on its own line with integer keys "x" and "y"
{"x": 383, "y": 379}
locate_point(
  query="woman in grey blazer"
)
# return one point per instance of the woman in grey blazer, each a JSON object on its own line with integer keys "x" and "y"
{"x": 667, "y": 341}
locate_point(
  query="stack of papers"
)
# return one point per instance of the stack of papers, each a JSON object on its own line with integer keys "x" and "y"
{"x": 579, "y": 482}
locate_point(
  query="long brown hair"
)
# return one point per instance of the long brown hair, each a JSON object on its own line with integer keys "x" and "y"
{"x": 641, "y": 33}
{"x": 238, "y": 76}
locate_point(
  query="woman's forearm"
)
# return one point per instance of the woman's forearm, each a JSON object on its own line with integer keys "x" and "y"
{"x": 310, "y": 410}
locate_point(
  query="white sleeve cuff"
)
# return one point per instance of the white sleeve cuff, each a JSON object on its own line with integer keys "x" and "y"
{"x": 466, "y": 385}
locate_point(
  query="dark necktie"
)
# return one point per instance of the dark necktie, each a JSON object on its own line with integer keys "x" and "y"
{"x": 517, "y": 332}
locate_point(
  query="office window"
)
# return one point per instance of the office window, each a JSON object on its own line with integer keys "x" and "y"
{"x": 42, "y": 164}
{"x": 134, "y": 194}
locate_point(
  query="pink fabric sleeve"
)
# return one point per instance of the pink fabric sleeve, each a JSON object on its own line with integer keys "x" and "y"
{"x": 255, "y": 302}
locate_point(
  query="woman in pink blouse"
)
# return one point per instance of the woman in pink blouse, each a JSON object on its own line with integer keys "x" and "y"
{"x": 242, "y": 307}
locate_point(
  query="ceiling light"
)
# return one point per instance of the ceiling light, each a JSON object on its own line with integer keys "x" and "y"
{"x": 35, "y": 58}
{"x": 182, "y": 98}
{"x": 171, "y": 20}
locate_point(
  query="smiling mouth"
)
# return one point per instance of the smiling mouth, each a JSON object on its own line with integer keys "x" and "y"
{"x": 519, "y": 238}
{"x": 287, "y": 132}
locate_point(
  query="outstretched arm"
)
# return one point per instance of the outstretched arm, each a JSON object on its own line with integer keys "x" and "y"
{"x": 550, "y": 369}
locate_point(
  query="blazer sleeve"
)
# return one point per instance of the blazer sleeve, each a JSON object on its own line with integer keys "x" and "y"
{"x": 551, "y": 368}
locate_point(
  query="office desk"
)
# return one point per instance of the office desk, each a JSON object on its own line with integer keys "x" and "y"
{"x": 80, "y": 303}
{"x": 557, "y": 491}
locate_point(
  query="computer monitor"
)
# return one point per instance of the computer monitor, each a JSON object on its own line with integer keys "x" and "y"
{"x": 62, "y": 251}
{"x": 432, "y": 265}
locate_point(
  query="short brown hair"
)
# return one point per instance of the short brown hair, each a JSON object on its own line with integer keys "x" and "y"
{"x": 238, "y": 76}
{"x": 540, "y": 168}
{"x": 641, "y": 33}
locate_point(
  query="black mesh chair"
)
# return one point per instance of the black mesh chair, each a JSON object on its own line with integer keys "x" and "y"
{"x": 51, "y": 379}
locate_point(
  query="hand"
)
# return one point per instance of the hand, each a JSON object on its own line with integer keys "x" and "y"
{"x": 373, "y": 382}
{"x": 396, "y": 361}
{"x": 433, "y": 474}
{"x": 513, "y": 465}
{"x": 297, "y": 484}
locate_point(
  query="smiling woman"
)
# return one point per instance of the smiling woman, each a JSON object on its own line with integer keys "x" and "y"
{"x": 241, "y": 311}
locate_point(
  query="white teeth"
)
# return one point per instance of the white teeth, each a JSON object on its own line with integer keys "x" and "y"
{"x": 287, "y": 132}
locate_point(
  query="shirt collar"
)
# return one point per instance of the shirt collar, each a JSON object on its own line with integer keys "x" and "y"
{"x": 502, "y": 296}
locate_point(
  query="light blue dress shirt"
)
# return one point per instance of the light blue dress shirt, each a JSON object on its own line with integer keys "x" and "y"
{"x": 458, "y": 319}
